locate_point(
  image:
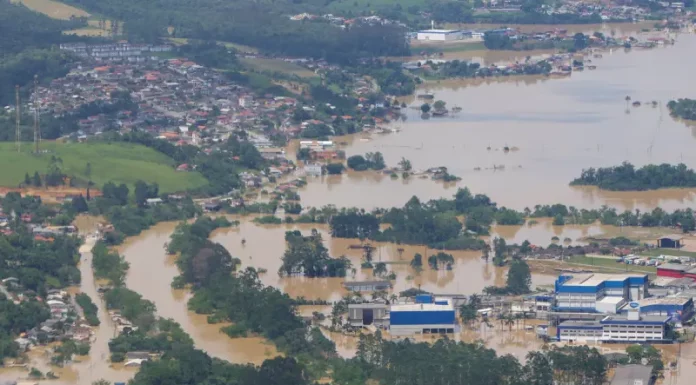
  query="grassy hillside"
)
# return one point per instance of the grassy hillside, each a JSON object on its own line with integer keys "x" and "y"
{"x": 54, "y": 9}
{"x": 117, "y": 162}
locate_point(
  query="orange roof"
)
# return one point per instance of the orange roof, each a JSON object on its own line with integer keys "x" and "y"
{"x": 102, "y": 69}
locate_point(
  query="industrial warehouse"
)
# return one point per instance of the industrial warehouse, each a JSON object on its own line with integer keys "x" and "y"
{"x": 588, "y": 307}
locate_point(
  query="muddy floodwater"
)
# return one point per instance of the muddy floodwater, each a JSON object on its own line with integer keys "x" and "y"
{"x": 151, "y": 273}
{"x": 554, "y": 128}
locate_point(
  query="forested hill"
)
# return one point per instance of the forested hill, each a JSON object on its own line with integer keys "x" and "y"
{"x": 26, "y": 38}
{"x": 264, "y": 25}
{"x": 21, "y": 28}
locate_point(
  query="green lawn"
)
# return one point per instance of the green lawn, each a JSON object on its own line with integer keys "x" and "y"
{"x": 277, "y": 65}
{"x": 117, "y": 162}
{"x": 674, "y": 252}
{"x": 610, "y": 264}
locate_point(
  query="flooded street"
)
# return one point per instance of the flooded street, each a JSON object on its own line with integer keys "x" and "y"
{"x": 557, "y": 127}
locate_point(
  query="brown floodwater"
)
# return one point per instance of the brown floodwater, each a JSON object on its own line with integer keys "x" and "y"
{"x": 264, "y": 248}
{"x": 151, "y": 273}
{"x": 620, "y": 29}
{"x": 558, "y": 126}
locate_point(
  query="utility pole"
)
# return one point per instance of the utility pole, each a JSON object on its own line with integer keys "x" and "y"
{"x": 36, "y": 114}
{"x": 18, "y": 132}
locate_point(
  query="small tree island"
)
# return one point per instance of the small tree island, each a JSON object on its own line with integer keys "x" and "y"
{"x": 683, "y": 108}
{"x": 627, "y": 178}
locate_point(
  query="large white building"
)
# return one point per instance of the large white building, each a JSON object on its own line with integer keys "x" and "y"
{"x": 440, "y": 35}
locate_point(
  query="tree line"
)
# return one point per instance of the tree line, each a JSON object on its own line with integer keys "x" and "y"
{"x": 446, "y": 362}
{"x": 261, "y": 24}
{"x": 627, "y": 178}
{"x": 26, "y": 38}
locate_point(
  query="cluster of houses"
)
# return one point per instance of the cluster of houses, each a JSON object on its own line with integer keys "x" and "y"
{"x": 63, "y": 323}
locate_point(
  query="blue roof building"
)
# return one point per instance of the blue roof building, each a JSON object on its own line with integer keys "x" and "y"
{"x": 599, "y": 293}
{"x": 428, "y": 315}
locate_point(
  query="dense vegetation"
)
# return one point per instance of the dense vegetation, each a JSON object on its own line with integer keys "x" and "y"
{"x": 240, "y": 298}
{"x": 409, "y": 363}
{"x": 371, "y": 161}
{"x": 109, "y": 264}
{"x": 30, "y": 266}
{"x": 627, "y": 178}
{"x": 25, "y": 39}
{"x": 239, "y": 21}
{"x": 307, "y": 255}
{"x": 39, "y": 265}
{"x": 15, "y": 319}
{"x": 220, "y": 168}
{"x": 88, "y": 307}
{"x": 683, "y": 108}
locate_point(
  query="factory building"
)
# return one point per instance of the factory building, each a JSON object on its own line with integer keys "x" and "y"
{"x": 599, "y": 293}
{"x": 440, "y": 35}
{"x": 429, "y": 315}
{"x": 630, "y": 328}
{"x": 366, "y": 314}
{"x": 673, "y": 270}
{"x": 677, "y": 309}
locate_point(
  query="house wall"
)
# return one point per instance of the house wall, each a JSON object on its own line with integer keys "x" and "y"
{"x": 431, "y": 36}
{"x": 581, "y": 334}
{"x": 633, "y": 332}
{"x": 666, "y": 242}
{"x": 408, "y": 330}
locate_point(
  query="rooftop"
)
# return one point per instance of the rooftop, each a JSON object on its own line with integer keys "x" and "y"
{"x": 438, "y": 31}
{"x": 612, "y": 300}
{"x": 632, "y": 375}
{"x": 673, "y": 237}
{"x": 366, "y": 283}
{"x": 664, "y": 301}
{"x": 652, "y": 319}
{"x": 593, "y": 279}
{"x": 585, "y": 324}
{"x": 675, "y": 267}
{"x": 423, "y": 307}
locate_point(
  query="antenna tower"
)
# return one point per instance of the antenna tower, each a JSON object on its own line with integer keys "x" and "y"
{"x": 18, "y": 132}
{"x": 37, "y": 135}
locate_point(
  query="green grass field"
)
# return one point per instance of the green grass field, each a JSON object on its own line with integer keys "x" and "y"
{"x": 275, "y": 65}
{"x": 117, "y": 162}
{"x": 610, "y": 264}
{"x": 674, "y": 252}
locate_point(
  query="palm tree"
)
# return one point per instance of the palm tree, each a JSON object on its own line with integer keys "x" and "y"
{"x": 393, "y": 298}
{"x": 475, "y": 301}
{"x": 509, "y": 321}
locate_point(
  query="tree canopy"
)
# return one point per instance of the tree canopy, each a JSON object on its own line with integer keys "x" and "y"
{"x": 627, "y": 178}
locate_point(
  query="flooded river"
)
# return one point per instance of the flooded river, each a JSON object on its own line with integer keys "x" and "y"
{"x": 151, "y": 272}
{"x": 559, "y": 127}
